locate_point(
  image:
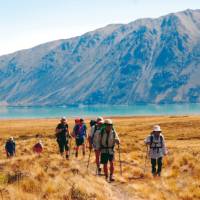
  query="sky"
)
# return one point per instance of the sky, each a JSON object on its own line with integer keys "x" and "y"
{"x": 27, "y": 23}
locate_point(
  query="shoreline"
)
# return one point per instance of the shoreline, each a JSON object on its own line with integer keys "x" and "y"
{"x": 106, "y": 116}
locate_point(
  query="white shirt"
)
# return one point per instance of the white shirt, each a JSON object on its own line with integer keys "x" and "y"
{"x": 157, "y": 148}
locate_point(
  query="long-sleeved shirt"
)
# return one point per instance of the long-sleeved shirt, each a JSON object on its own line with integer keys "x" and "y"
{"x": 95, "y": 137}
{"x": 157, "y": 146}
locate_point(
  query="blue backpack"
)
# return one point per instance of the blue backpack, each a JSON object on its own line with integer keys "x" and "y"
{"x": 80, "y": 131}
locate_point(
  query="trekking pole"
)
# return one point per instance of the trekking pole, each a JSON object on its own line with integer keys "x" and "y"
{"x": 70, "y": 142}
{"x": 145, "y": 162}
{"x": 89, "y": 159}
{"x": 120, "y": 163}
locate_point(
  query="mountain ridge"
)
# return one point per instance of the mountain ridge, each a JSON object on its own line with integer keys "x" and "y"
{"x": 145, "y": 61}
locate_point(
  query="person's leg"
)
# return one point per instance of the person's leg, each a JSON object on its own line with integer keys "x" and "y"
{"x": 77, "y": 147}
{"x": 104, "y": 161}
{"x": 159, "y": 161}
{"x": 153, "y": 165}
{"x": 61, "y": 147}
{"x": 67, "y": 149}
{"x": 111, "y": 159}
{"x": 105, "y": 169}
{"x": 97, "y": 155}
{"x": 83, "y": 149}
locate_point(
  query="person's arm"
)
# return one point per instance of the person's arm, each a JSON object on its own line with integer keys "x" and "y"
{"x": 58, "y": 130}
{"x": 73, "y": 134}
{"x": 90, "y": 136}
{"x": 117, "y": 140}
{"x": 164, "y": 149}
{"x": 147, "y": 140}
{"x": 69, "y": 134}
{"x": 86, "y": 134}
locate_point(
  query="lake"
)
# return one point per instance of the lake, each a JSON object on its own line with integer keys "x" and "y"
{"x": 92, "y": 111}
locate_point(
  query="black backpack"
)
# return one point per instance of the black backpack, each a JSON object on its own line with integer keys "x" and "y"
{"x": 92, "y": 123}
{"x": 152, "y": 142}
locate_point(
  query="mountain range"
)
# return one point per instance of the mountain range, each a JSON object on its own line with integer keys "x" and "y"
{"x": 145, "y": 61}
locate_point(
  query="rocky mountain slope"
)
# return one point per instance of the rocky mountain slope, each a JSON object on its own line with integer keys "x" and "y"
{"x": 145, "y": 61}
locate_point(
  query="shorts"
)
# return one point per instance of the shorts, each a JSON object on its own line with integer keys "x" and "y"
{"x": 63, "y": 145}
{"x": 80, "y": 141}
{"x": 105, "y": 157}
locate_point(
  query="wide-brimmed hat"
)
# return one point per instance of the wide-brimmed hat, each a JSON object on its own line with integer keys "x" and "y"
{"x": 63, "y": 118}
{"x": 157, "y": 128}
{"x": 99, "y": 119}
{"x": 108, "y": 122}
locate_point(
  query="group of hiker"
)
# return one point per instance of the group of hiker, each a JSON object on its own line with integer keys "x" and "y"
{"x": 102, "y": 139}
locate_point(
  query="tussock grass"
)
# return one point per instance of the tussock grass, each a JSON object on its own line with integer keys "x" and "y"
{"x": 50, "y": 176}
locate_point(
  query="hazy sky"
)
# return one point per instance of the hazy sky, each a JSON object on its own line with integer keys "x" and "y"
{"x": 26, "y": 23}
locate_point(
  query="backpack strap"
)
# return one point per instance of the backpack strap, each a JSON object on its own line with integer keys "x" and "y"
{"x": 161, "y": 140}
{"x": 95, "y": 129}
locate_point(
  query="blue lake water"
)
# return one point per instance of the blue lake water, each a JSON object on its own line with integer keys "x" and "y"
{"x": 92, "y": 111}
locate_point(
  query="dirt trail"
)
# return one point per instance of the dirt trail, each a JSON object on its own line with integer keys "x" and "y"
{"x": 118, "y": 187}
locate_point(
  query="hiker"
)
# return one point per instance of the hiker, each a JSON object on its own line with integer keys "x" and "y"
{"x": 10, "y": 147}
{"x": 157, "y": 150}
{"x": 109, "y": 138}
{"x": 38, "y": 147}
{"x": 94, "y": 141}
{"x": 80, "y": 134}
{"x": 63, "y": 136}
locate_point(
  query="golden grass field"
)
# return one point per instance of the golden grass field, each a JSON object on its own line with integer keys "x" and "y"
{"x": 49, "y": 176}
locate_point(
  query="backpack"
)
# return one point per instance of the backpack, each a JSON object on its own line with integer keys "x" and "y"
{"x": 95, "y": 129}
{"x": 80, "y": 131}
{"x": 92, "y": 123}
{"x": 152, "y": 142}
{"x": 102, "y": 132}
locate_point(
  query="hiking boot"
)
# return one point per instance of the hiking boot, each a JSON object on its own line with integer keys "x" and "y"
{"x": 111, "y": 178}
{"x": 154, "y": 174}
{"x": 76, "y": 154}
{"x": 159, "y": 174}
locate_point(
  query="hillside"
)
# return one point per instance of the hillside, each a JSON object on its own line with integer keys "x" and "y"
{"x": 145, "y": 61}
{"x": 51, "y": 177}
